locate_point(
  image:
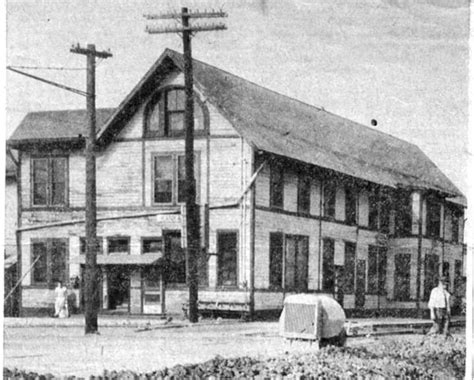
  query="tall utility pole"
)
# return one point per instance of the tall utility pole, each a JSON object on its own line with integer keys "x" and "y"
{"x": 192, "y": 215}
{"x": 91, "y": 275}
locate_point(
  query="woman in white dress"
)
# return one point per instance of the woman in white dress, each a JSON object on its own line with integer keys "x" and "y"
{"x": 60, "y": 306}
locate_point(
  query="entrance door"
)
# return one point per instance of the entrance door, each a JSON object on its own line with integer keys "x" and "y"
{"x": 360, "y": 284}
{"x": 118, "y": 280}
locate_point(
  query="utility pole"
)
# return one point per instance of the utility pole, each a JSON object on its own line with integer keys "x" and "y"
{"x": 192, "y": 215}
{"x": 91, "y": 275}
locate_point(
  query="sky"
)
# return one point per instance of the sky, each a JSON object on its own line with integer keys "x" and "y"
{"x": 401, "y": 62}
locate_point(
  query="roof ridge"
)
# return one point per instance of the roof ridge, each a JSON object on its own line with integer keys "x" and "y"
{"x": 69, "y": 110}
{"x": 319, "y": 108}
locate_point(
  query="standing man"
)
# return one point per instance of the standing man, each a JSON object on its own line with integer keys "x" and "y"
{"x": 440, "y": 309}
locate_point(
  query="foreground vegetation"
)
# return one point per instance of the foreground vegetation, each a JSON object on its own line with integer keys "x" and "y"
{"x": 405, "y": 357}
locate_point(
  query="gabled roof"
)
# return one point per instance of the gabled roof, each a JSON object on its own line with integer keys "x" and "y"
{"x": 51, "y": 126}
{"x": 284, "y": 126}
{"x": 268, "y": 121}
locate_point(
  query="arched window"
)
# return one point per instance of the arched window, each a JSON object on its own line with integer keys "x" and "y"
{"x": 164, "y": 115}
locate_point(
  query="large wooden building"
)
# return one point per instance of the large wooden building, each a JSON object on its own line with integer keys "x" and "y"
{"x": 293, "y": 199}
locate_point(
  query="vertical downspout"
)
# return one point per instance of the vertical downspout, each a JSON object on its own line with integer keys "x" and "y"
{"x": 320, "y": 264}
{"x": 252, "y": 243}
{"x": 18, "y": 233}
{"x": 418, "y": 261}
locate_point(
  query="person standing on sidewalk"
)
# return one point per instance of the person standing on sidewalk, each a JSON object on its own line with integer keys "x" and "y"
{"x": 60, "y": 305}
{"x": 440, "y": 309}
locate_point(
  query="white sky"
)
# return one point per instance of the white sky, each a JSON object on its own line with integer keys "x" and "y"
{"x": 402, "y": 62}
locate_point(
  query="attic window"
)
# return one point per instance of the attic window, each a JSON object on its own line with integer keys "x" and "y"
{"x": 165, "y": 116}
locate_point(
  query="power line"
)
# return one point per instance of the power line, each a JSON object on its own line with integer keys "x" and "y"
{"x": 48, "y": 68}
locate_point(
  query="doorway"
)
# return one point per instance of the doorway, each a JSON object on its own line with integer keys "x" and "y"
{"x": 118, "y": 283}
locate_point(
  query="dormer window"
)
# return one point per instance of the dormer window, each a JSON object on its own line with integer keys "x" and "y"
{"x": 165, "y": 116}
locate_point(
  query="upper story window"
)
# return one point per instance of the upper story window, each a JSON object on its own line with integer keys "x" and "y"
{"x": 49, "y": 181}
{"x": 456, "y": 220}
{"x": 169, "y": 178}
{"x": 304, "y": 194}
{"x": 329, "y": 199}
{"x": 351, "y": 205}
{"x": 433, "y": 217}
{"x": 403, "y": 213}
{"x": 164, "y": 115}
{"x": 276, "y": 186}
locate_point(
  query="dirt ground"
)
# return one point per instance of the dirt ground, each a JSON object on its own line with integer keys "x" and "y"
{"x": 66, "y": 351}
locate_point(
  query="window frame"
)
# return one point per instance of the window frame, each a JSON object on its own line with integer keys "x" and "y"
{"x": 277, "y": 187}
{"x": 82, "y": 245}
{"x": 118, "y": 237}
{"x": 49, "y": 181}
{"x": 349, "y": 272}
{"x": 433, "y": 218}
{"x": 304, "y": 194}
{"x": 160, "y": 99}
{"x": 222, "y": 232}
{"x": 175, "y": 177}
{"x": 50, "y": 282}
{"x": 149, "y": 239}
{"x": 398, "y": 294}
{"x": 328, "y": 282}
{"x": 351, "y": 197}
{"x": 376, "y": 269}
{"x": 329, "y": 199}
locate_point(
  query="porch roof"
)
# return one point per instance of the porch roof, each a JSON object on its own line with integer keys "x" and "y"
{"x": 121, "y": 259}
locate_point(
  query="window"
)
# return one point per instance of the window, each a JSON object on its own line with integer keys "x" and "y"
{"x": 377, "y": 270}
{"x": 373, "y": 210}
{"x": 403, "y": 214}
{"x": 458, "y": 276}
{"x": 165, "y": 114}
{"x": 82, "y": 243}
{"x": 152, "y": 245}
{"x": 384, "y": 215}
{"x": 175, "y": 258}
{"x": 431, "y": 274}
{"x": 328, "y": 265}
{"x": 276, "y": 186}
{"x": 296, "y": 263}
{"x": 49, "y": 178}
{"x": 304, "y": 194}
{"x": 291, "y": 253}
{"x": 276, "y": 260}
{"x": 455, "y": 220}
{"x": 118, "y": 245}
{"x": 329, "y": 199}
{"x": 446, "y": 271}
{"x": 51, "y": 265}
{"x": 351, "y": 205}
{"x": 349, "y": 267}
{"x": 433, "y": 217}
{"x": 169, "y": 178}
{"x": 227, "y": 248}
{"x": 402, "y": 277}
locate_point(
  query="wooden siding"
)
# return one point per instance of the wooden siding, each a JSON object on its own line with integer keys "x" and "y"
{"x": 225, "y": 172}
{"x": 11, "y": 215}
{"x": 119, "y": 175}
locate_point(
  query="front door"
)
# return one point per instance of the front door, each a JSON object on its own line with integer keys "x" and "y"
{"x": 360, "y": 284}
{"x": 118, "y": 281}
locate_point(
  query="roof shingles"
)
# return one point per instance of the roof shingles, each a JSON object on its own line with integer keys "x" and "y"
{"x": 275, "y": 123}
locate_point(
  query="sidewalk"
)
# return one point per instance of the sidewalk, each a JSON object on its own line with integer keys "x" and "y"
{"x": 354, "y": 326}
